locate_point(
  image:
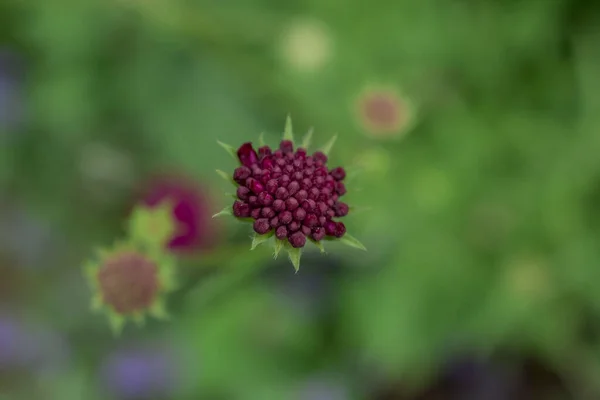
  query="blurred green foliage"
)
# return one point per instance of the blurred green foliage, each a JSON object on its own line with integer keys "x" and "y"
{"x": 482, "y": 222}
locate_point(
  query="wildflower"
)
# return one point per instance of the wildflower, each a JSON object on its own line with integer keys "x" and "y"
{"x": 184, "y": 203}
{"x": 384, "y": 112}
{"x": 140, "y": 372}
{"x": 289, "y": 193}
{"x": 130, "y": 281}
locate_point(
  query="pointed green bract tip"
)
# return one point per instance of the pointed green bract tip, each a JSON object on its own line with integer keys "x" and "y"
{"x": 259, "y": 239}
{"x": 278, "y": 246}
{"x": 294, "y": 255}
{"x": 229, "y": 149}
{"x": 227, "y": 177}
{"x": 152, "y": 225}
{"x": 307, "y": 139}
{"x": 287, "y": 133}
{"x": 351, "y": 241}
{"x": 261, "y": 139}
{"x": 326, "y": 149}
{"x": 225, "y": 211}
{"x": 116, "y": 323}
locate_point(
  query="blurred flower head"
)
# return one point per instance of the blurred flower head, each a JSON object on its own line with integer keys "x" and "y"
{"x": 10, "y": 94}
{"x": 192, "y": 206}
{"x": 11, "y": 342}
{"x": 130, "y": 281}
{"x": 384, "y": 113}
{"x": 306, "y": 45}
{"x": 140, "y": 372}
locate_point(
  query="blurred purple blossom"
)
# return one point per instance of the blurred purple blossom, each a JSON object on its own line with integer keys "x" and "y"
{"x": 142, "y": 372}
{"x": 10, "y": 91}
{"x": 11, "y": 342}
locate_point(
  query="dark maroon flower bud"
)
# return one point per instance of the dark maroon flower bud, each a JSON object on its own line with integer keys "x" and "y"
{"x": 299, "y": 214}
{"x": 297, "y": 239}
{"x": 338, "y": 173}
{"x": 256, "y": 171}
{"x": 267, "y": 212}
{"x": 320, "y": 156}
{"x": 340, "y": 229}
{"x": 322, "y": 207}
{"x": 277, "y": 169}
{"x": 309, "y": 205}
{"x": 340, "y": 188}
{"x": 311, "y": 220}
{"x": 291, "y": 204}
{"x": 264, "y": 151}
{"x": 321, "y": 171}
{"x": 306, "y": 183}
{"x": 255, "y": 213}
{"x": 267, "y": 163}
{"x": 265, "y": 199}
{"x": 330, "y": 213}
{"x": 281, "y": 232}
{"x": 301, "y": 153}
{"x": 274, "y": 222}
{"x": 313, "y": 193}
{"x": 286, "y": 146}
{"x": 278, "y": 205}
{"x": 319, "y": 182}
{"x": 243, "y": 192}
{"x": 309, "y": 162}
{"x": 308, "y": 172}
{"x": 306, "y": 230}
{"x": 241, "y": 209}
{"x": 272, "y": 186}
{"x": 280, "y": 162}
{"x": 298, "y": 164}
{"x": 241, "y": 174}
{"x": 285, "y": 217}
{"x": 289, "y": 156}
{"x": 322, "y": 197}
{"x": 330, "y": 185}
{"x": 262, "y": 226}
{"x": 282, "y": 193}
{"x": 301, "y": 195}
{"x": 298, "y": 176}
{"x": 329, "y": 228}
{"x": 322, "y": 220}
{"x": 288, "y": 169}
{"x": 318, "y": 234}
{"x": 284, "y": 180}
{"x": 293, "y": 226}
{"x": 256, "y": 186}
{"x": 247, "y": 155}
{"x": 330, "y": 202}
{"x": 341, "y": 209}
{"x": 253, "y": 201}
{"x": 265, "y": 176}
{"x": 335, "y": 197}
{"x": 293, "y": 187}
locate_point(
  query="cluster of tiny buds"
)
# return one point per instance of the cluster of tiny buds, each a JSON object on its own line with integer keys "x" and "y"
{"x": 290, "y": 192}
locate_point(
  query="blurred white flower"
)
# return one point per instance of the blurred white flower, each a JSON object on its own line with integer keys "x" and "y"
{"x": 306, "y": 45}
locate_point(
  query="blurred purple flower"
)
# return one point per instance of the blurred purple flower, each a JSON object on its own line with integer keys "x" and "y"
{"x": 11, "y": 342}
{"x": 10, "y": 96}
{"x": 192, "y": 211}
{"x": 140, "y": 373}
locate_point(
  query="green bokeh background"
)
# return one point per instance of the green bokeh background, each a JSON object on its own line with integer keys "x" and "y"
{"x": 482, "y": 222}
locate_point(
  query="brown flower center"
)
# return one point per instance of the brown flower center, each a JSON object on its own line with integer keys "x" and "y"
{"x": 128, "y": 282}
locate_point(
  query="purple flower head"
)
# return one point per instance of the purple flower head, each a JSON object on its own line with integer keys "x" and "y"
{"x": 291, "y": 194}
{"x": 191, "y": 210}
{"x": 140, "y": 373}
{"x": 11, "y": 342}
{"x": 383, "y": 112}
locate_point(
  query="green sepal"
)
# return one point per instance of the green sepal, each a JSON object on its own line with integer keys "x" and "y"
{"x": 158, "y": 310}
{"x": 288, "y": 133}
{"x": 152, "y": 225}
{"x": 230, "y": 149}
{"x": 307, "y": 139}
{"x": 278, "y": 246}
{"x": 326, "y": 149}
{"x": 116, "y": 323}
{"x": 318, "y": 244}
{"x": 225, "y": 211}
{"x": 245, "y": 219}
{"x": 294, "y": 255}
{"x": 227, "y": 177}
{"x": 232, "y": 195}
{"x": 358, "y": 209}
{"x": 261, "y": 139}
{"x": 351, "y": 241}
{"x": 259, "y": 239}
